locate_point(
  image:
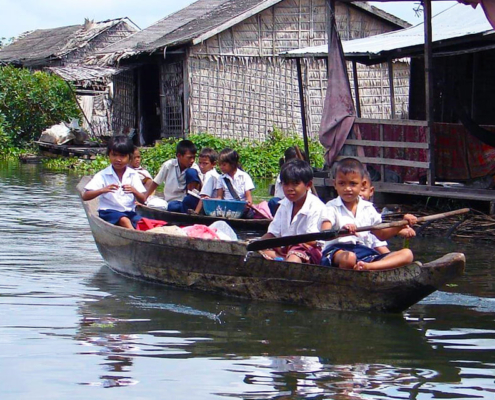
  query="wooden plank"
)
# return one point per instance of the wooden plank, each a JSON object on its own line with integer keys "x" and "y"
{"x": 385, "y": 143}
{"x": 406, "y": 122}
{"x": 391, "y": 86}
{"x": 391, "y": 161}
{"x": 356, "y": 88}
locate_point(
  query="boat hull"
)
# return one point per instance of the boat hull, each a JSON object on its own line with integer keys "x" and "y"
{"x": 223, "y": 267}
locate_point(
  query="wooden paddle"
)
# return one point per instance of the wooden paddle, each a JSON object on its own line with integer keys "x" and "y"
{"x": 263, "y": 244}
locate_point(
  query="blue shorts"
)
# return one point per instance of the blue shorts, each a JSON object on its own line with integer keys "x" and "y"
{"x": 113, "y": 216}
{"x": 362, "y": 252}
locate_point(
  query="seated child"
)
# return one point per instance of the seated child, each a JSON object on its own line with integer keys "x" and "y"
{"x": 179, "y": 175}
{"x": 207, "y": 162}
{"x": 350, "y": 211}
{"x": 117, "y": 185}
{"x": 299, "y": 213}
{"x": 135, "y": 163}
{"x": 367, "y": 192}
{"x": 234, "y": 183}
{"x": 289, "y": 154}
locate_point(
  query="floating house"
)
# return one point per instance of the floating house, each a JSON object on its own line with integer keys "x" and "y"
{"x": 214, "y": 66}
{"x": 61, "y": 50}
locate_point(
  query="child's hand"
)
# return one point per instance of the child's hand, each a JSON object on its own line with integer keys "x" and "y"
{"x": 128, "y": 189}
{"x": 407, "y": 232}
{"x": 411, "y": 219}
{"x": 351, "y": 228}
{"x": 110, "y": 188}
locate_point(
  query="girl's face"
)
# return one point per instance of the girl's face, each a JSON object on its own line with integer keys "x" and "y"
{"x": 119, "y": 161}
{"x": 227, "y": 168}
{"x": 136, "y": 159}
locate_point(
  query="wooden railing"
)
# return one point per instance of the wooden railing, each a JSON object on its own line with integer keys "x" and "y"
{"x": 381, "y": 143}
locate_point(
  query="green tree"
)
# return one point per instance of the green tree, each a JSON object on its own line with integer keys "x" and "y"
{"x": 31, "y": 102}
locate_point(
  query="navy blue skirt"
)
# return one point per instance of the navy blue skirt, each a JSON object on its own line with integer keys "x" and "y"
{"x": 113, "y": 217}
{"x": 363, "y": 253}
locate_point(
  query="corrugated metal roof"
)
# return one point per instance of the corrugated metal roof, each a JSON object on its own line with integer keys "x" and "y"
{"x": 454, "y": 22}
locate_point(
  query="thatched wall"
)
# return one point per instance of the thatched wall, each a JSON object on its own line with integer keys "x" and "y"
{"x": 124, "y": 102}
{"x": 172, "y": 99}
{"x": 238, "y": 89}
{"x": 243, "y": 97}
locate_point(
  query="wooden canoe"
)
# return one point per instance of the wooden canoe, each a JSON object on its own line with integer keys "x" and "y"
{"x": 225, "y": 268}
{"x": 249, "y": 225}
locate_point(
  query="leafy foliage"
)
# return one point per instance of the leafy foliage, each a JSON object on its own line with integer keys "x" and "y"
{"x": 32, "y": 101}
{"x": 259, "y": 159}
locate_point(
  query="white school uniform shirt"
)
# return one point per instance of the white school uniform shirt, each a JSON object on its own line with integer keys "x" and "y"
{"x": 210, "y": 183}
{"x": 242, "y": 182}
{"x": 174, "y": 180}
{"x": 143, "y": 173}
{"x": 118, "y": 200}
{"x": 305, "y": 221}
{"x": 279, "y": 190}
{"x": 338, "y": 215}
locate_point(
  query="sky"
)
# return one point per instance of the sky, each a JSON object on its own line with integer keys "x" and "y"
{"x": 18, "y": 16}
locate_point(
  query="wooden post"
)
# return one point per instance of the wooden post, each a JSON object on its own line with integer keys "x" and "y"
{"x": 303, "y": 107}
{"x": 185, "y": 78}
{"x": 356, "y": 88}
{"x": 330, "y": 17}
{"x": 391, "y": 86}
{"x": 429, "y": 91}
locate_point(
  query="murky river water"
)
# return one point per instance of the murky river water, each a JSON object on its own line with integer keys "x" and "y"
{"x": 72, "y": 329}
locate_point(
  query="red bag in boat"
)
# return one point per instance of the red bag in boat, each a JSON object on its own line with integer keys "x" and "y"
{"x": 145, "y": 224}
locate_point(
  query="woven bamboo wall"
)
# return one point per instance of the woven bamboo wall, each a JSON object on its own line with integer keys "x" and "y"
{"x": 237, "y": 89}
{"x": 171, "y": 98}
{"x": 124, "y": 102}
{"x": 243, "y": 97}
{"x": 374, "y": 90}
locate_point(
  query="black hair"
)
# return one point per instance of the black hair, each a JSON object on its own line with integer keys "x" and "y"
{"x": 229, "y": 156}
{"x": 184, "y": 146}
{"x": 210, "y": 153}
{"x": 350, "y": 165}
{"x": 289, "y": 154}
{"x": 296, "y": 171}
{"x": 120, "y": 144}
{"x": 367, "y": 177}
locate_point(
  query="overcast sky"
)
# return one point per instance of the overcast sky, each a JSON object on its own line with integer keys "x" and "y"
{"x": 17, "y": 16}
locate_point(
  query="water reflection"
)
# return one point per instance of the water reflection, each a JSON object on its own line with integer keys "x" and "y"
{"x": 70, "y": 327}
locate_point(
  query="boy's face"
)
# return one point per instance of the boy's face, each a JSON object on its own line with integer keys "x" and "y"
{"x": 186, "y": 160}
{"x": 367, "y": 190}
{"x": 295, "y": 191}
{"x": 119, "y": 161}
{"x": 205, "y": 164}
{"x": 136, "y": 159}
{"x": 348, "y": 186}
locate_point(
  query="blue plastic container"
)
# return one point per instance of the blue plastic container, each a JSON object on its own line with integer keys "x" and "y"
{"x": 224, "y": 208}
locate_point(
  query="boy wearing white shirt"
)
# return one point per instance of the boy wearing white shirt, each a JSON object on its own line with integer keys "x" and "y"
{"x": 349, "y": 211}
{"x": 118, "y": 186}
{"x": 178, "y": 174}
{"x": 299, "y": 213}
{"x": 207, "y": 164}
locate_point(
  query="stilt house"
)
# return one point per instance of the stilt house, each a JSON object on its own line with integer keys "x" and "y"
{"x": 214, "y": 66}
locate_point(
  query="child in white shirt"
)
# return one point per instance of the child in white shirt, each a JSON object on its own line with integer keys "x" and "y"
{"x": 207, "y": 164}
{"x": 118, "y": 186}
{"x": 234, "y": 183}
{"x": 298, "y": 214}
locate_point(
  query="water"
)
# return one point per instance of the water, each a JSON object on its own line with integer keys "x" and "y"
{"x": 71, "y": 328}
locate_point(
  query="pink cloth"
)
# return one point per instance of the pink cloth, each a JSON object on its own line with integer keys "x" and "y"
{"x": 338, "y": 111}
{"x": 201, "y": 232}
{"x": 263, "y": 211}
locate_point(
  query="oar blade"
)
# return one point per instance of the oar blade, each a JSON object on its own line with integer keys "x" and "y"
{"x": 263, "y": 244}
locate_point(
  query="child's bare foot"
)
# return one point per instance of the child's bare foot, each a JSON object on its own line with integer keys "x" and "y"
{"x": 361, "y": 266}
